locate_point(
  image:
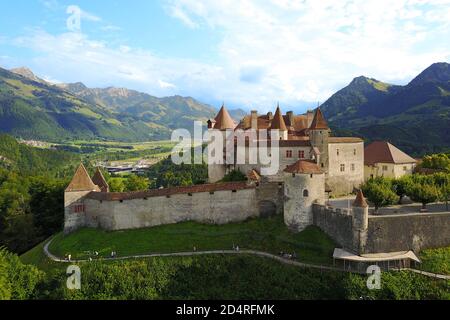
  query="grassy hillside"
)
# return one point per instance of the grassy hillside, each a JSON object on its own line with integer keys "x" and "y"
{"x": 436, "y": 260}
{"x": 34, "y": 161}
{"x": 223, "y": 277}
{"x": 269, "y": 235}
{"x": 38, "y": 110}
{"x": 415, "y": 117}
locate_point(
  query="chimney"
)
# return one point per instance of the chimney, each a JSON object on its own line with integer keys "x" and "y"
{"x": 309, "y": 117}
{"x": 270, "y": 116}
{"x": 254, "y": 120}
{"x": 290, "y": 115}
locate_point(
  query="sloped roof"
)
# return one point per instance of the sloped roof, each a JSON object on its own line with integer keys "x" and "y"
{"x": 224, "y": 120}
{"x": 117, "y": 196}
{"x": 253, "y": 175}
{"x": 99, "y": 180}
{"x": 81, "y": 181}
{"x": 384, "y": 152}
{"x": 278, "y": 121}
{"x": 344, "y": 140}
{"x": 304, "y": 166}
{"x": 360, "y": 201}
{"x": 319, "y": 122}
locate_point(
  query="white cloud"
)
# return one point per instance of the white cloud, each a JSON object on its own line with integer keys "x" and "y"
{"x": 166, "y": 85}
{"x": 275, "y": 50}
{"x": 310, "y": 48}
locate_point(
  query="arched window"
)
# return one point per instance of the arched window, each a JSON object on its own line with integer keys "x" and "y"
{"x": 305, "y": 193}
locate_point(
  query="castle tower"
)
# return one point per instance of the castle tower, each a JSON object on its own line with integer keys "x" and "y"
{"x": 99, "y": 180}
{"x": 279, "y": 124}
{"x": 304, "y": 185}
{"x": 221, "y": 123}
{"x": 360, "y": 212}
{"x": 319, "y": 132}
{"x": 74, "y": 208}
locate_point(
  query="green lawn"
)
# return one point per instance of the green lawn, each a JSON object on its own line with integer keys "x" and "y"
{"x": 37, "y": 257}
{"x": 269, "y": 235}
{"x": 436, "y": 260}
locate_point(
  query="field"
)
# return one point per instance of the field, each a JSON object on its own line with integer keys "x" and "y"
{"x": 269, "y": 235}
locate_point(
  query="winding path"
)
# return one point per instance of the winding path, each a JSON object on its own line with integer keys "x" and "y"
{"x": 231, "y": 252}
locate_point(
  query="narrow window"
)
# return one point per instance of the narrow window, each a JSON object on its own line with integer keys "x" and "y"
{"x": 405, "y": 168}
{"x": 353, "y": 167}
{"x": 305, "y": 193}
{"x": 288, "y": 153}
{"x": 385, "y": 168}
{"x": 301, "y": 154}
{"x": 342, "y": 167}
{"x": 337, "y": 151}
{"x": 354, "y": 152}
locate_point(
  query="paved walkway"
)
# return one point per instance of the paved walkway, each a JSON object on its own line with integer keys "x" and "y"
{"x": 233, "y": 252}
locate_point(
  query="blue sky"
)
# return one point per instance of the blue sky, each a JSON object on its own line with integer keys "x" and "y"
{"x": 248, "y": 53}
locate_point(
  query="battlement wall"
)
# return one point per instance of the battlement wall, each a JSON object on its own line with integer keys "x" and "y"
{"x": 337, "y": 223}
{"x": 215, "y": 204}
{"x": 393, "y": 233}
{"x": 415, "y": 231}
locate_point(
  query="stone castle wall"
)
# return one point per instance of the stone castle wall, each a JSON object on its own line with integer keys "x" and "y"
{"x": 402, "y": 232}
{"x": 337, "y": 223}
{"x": 218, "y": 207}
{"x": 408, "y": 232}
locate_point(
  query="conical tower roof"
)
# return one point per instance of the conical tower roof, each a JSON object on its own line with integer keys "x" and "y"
{"x": 99, "y": 180}
{"x": 81, "y": 181}
{"x": 360, "y": 201}
{"x": 278, "y": 121}
{"x": 319, "y": 122}
{"x": 224, "y": 120}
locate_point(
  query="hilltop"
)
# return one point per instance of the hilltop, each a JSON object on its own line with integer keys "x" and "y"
{"x": 415, "y": 117}
{"x": 32, "y": 108}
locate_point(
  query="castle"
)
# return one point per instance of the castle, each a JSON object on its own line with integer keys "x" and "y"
{"x": 312, "y": 165}
{"x": 303, "y": 138}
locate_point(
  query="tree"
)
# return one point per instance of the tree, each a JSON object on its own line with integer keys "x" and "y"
{"x": 17, "y": 280}
{"x": 380, "y": 194}
{"x": 445, "y": 192}
{"x": 424, "y": 193}
{"x": 400, "y": 187}
{"x": 234, "y": 175}
{"x": 116, "y": 185}
{"x": 136, "y": 183}
{"x": 439, "y": 161}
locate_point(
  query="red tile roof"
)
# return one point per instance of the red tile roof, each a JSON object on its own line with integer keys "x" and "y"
{"x": 278, "y": 121}
{"x": 319, "y": 122}
{"x": 223, "y": 120}
{"x": 253, "y": 175}
{"x": 112, "y": 196}
{"x": 81, "y": 181}
{"x": 384, "y": 152}
{"x": 360, "y": 201}
{"x": 304, "y": 166}
{"x": 99, "y": 180}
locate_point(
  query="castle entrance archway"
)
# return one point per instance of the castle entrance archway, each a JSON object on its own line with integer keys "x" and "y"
{"x": 267, "y": 208}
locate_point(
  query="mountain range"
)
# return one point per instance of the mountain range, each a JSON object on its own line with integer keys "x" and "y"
{"x": 32, "y": 108}
{"x": 415, "y": 117}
